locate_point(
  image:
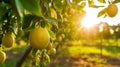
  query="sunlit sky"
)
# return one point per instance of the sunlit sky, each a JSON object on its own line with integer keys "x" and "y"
{"x": 91, "y": 16}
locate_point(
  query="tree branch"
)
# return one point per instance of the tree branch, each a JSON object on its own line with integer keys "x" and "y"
{"x": 23, "y": 57}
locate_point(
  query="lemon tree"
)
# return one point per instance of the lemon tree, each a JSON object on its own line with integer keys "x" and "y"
{"x": 38, "y": 22}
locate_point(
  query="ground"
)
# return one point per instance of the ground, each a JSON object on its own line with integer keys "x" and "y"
{"x": 78, "y": 61}
{"x": 74, "y": 55}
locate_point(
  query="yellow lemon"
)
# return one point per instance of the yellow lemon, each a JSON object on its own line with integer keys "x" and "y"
{"x": 8, "y": 40}
{"x": 2, "y": 57}
{"x": 39, "y": 38}
{"x": 59, "y": 38}
{"x": 52, "y": 51}
{"x": 53, "y": 13}
{"x": 112, "y": 10}
{"x": 63, "y": 35}
{"x": 71, "y": 11}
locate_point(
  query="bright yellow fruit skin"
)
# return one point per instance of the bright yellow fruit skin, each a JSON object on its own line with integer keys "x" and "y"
{"x": 112, "y": 10}
{"x": 2, "y": 57}
{"x": 39, "y": 38}
{"x": 59, "y": 38}
{"x": 53, "y": 13}
{"x": 8, "y": 40}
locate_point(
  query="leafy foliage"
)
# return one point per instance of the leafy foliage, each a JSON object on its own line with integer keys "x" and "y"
{"x": 102, "y": 1}
{"x": 102, "y": 12}
{"x": 21, "y": 16}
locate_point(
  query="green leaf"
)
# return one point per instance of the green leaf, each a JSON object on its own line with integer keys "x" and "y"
{"x": 52, "y": 35}
{"x": 47, "y": 58}
{"x": 76, "y": 1}
{"x": 32, "y": 6}
{"x": 19, "y": 7}
{"x": 3, "y": 9}
{"x": 116, "y": 1}
{"x": 102, "y": 12}
{"x": 102, "y": 1}
{"x": 52, "y": 20}
{"x": 46, "y": 9}
{"x": 68, "y": 2}
{"x": 57, "y": 5}
{"x": 27, "y": 21}
{"x": 34, "y": 51}
{"x": 91, "y": 3}
{"x": 83, "y": 4}
{"x": 43, "y": 24}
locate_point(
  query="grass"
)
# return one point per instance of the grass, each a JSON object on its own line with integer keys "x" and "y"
{"x": 73, "y": 48}
{"x": 93, "y": 47}
{"x": 108, "y": 51}
{"x": 10, "y": 63}
{"x": 86, "y": 50}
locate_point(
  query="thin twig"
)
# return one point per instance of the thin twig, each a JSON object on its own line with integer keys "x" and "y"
{"x": 23, "y": 57}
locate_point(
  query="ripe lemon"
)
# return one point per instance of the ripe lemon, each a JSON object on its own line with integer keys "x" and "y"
{"x": 2, "y": 57}
{"x": 53, "y": 13}
{"x": 8, "y": 40}
{"x": 63, "y": 35}
{"x": 71, "y": 11}
{"x": 112, "y": 10}
{"x": 59, "y": 38}
{"x": 39, "y": 38}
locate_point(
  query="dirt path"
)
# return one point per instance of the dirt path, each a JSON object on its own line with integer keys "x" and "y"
{"x": 77, "y": 61}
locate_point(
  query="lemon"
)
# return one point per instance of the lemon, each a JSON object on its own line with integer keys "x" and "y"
{"x": 2, "y": 57}
{"x": 39, "y": 38}
{"x": 8, "y": 40}
{"x": 59, "y": 38}
{"x": 53, "y": 13}
{"x": 112, "y": 10}
{"x": 71, "y": 11}
{"x": 63, "y": 35}
{"x": 52, "y": 51}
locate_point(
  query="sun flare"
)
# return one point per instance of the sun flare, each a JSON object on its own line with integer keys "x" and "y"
{"x": 90, "y": 19}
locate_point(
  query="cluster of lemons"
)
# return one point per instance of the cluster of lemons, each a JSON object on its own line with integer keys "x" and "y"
{"x": 39, "y": 38}
{"x": 7, "y": 41}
